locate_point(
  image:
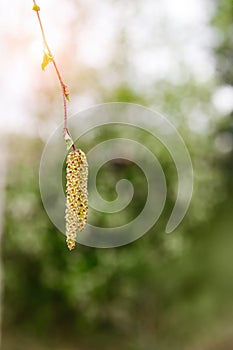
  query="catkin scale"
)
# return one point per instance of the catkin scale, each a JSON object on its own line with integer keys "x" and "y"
{"x": 76, "y": 195}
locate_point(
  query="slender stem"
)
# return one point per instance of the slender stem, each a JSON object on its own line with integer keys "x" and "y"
{"x": 65, "y": 92}
{"x": 65, "y": 113}
{"x": 42, "y": 30}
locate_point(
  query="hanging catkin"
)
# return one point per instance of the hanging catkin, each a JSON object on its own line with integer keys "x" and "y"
{"x": 76, "y": 195}
{"x": 77, "y": 167}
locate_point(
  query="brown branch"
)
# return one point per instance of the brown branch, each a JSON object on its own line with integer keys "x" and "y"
{"x": 65, "y": 91}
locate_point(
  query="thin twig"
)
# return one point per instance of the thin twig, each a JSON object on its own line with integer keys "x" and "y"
{"x": 65, "y": 91}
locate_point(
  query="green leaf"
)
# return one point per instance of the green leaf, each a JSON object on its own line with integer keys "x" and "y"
{"x": 68, "y": 140}
{"x": 46, "y": 60}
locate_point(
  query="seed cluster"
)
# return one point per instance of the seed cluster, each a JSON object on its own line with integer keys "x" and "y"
{"x": 77, "y": 195}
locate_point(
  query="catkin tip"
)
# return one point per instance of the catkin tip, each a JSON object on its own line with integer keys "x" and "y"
{"x": 70, "y": 244}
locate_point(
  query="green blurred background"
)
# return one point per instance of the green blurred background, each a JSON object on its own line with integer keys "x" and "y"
{"x": 162, "y": 291}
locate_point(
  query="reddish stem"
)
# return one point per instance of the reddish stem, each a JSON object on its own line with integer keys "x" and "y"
{"x": 65, "y": 92}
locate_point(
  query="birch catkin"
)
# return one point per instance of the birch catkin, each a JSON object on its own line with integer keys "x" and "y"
{"x": 76, "y": 195}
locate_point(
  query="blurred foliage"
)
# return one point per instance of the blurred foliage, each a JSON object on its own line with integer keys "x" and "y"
{"x": 223, "y": 21}
{"x": 160, "y": 292}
